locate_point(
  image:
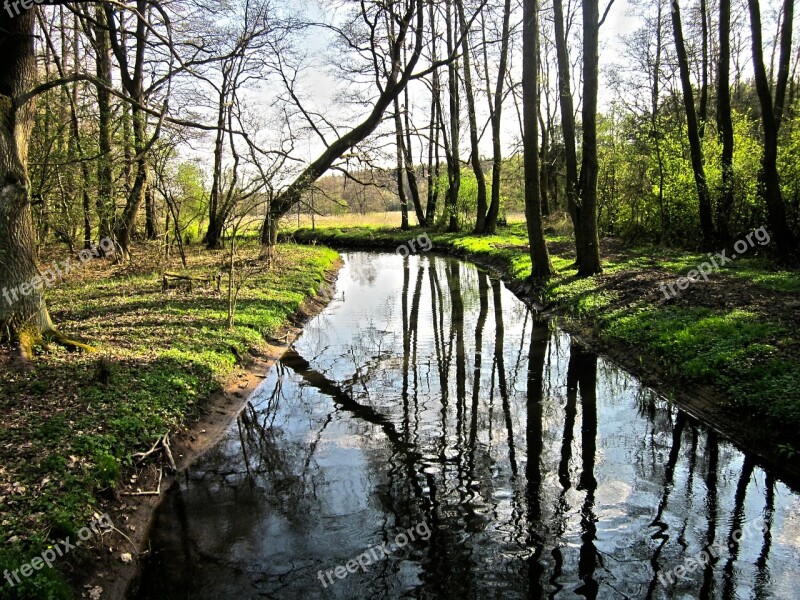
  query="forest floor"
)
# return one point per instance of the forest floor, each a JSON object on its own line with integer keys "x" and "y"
{"x": 166, "y": 364}
{"x": 725, "y": 349}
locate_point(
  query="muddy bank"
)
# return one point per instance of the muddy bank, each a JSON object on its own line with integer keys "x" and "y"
{"x": 136, "y": 501}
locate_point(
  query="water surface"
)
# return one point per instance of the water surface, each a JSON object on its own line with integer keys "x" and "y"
{"x": 428, "y": 398}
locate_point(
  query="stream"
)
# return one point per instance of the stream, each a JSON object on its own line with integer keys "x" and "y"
{"x": 429, "y": 436}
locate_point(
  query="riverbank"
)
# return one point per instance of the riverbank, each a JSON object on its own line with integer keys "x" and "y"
{"x": 84, "y": 434}
{"x": 725, "y": 350}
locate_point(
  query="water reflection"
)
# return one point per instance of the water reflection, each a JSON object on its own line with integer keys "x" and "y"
{"x": 430, "y": 394}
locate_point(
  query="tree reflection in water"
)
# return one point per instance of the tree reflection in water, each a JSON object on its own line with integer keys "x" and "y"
{"x": 430, "y": 393}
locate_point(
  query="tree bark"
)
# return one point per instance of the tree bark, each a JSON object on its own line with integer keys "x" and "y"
{"x": 24, "y": 318}
{"x": 695, "y": 147}
{"x": 540, "y": 258}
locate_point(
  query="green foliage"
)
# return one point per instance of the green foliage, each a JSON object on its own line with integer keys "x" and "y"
{"x": 47, "y": 584}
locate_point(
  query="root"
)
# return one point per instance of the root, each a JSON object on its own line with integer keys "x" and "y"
{"x": 60, "y": 339}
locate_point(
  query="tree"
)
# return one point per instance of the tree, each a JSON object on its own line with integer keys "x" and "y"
{"x": 771, "y": 116}
{"x": 693, "y": 132}
{"x": 540, "y": 258}
{"x": 24, "y": 317}
{"x": 725, "y": 124}
{"x": 480, "y": 222}
{"x": 587, "y": 235}
{"x": 568, "y": 123}
{"x": 410, "y": 30}
{"x": 496, "y": 117}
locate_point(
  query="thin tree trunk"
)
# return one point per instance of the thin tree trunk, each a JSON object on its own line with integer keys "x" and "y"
{"x": 540, "y": 258}
{"x": 401, "y": 187}
{"x": 703, "y": 114}
{"x": 477, "y": 168}
{"x": 411, "y": 174}
{"x": 433, "y": 130}
{"x": 725, "y": 124}
{"x": 695, "y": 147}
{"x": 105, "y": 179}
{"x": 454, "y": 160}
{"x": 568, "y": 124}
{"x": 497, "y": 114}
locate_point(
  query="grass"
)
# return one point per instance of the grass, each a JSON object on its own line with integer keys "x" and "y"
{"x": 735, "y": 333}
{"x": 73, "y": 423}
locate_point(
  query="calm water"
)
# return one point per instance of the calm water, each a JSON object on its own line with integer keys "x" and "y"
{"x": 426, "y": 397}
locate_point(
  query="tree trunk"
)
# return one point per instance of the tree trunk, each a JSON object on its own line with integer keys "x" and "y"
{"x": 725, "y": 124}
{"x": 127, "y": 223}
{"x": 480, "y": 219}
{"x": 771, "y": 116}
{"x": 433, "y": 130}
{"x": 540, "y": 258}
{"x": 703, "y": 116}
{"x": 706, "y": 219}
{"x": 497, "y": 114}
{"x": 411, "y": 174}
{"x": 23, "y": 316}
{"x": 568, "y": 124}
{"x": 453, "y": 159}
{"x": 401, "y": 186}
{"x": 588, "y": 239}
{"x": 105, "y": 179}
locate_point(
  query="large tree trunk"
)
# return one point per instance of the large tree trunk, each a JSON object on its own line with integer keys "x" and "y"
{"x": 725, "y": 124}
{"x": 568, "y": 124}
{"x": 540, "y": 258}
{"x": 588, "y": 239}
{"x": 23, "y": 317}
{"x": 771, "y": 116}
{"x": 706, "y": 219}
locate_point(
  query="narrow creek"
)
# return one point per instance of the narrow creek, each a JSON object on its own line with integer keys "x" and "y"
{"x": 428, "y": 402}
